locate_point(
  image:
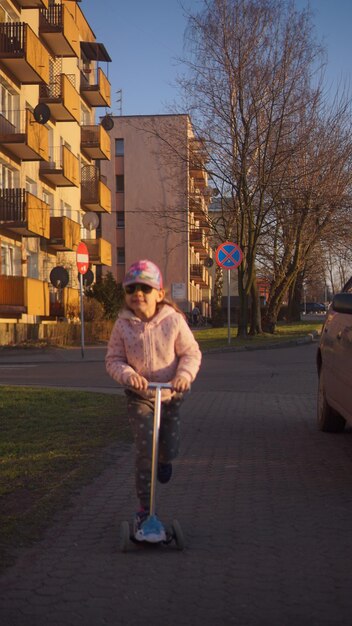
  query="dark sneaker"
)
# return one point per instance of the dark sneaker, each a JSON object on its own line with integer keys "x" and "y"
{"x": 164, "y": 472}
{"x": 139, "y": 518}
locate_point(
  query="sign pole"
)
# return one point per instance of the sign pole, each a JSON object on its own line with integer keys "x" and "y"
{"x": 82, "y": 314}
{"x": 228, "y": 256}
{"x": 228, "y": 307}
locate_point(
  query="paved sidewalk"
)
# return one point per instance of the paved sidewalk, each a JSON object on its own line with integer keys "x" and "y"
{"x": 49, "y": 355}
{"x": 267, "y": 540}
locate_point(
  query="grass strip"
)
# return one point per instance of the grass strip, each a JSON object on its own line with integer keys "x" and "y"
{"x": 51, "y": 443}
{"x": 214, "y": 338}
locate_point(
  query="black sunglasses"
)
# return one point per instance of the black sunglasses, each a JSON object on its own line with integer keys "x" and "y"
{"x": 130, "y": 289}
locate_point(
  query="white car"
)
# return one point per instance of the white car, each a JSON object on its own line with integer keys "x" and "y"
{"x": 334, "y": 361}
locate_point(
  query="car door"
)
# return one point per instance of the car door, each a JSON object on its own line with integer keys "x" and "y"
{"x": 344, "y": 371}
{"x": 337, "y": 361}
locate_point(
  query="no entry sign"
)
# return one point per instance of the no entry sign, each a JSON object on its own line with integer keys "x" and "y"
{"x": 229, "y": 255}
{"x": 82, "y": 258}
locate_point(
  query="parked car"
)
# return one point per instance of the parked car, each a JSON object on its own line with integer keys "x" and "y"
{"x": 313, "y": 307}
{"x": 334, "y": 361}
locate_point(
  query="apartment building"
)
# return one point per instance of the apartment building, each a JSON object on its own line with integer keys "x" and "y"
{"x": 52, "y": 81}
{"x": 160, "y": 204}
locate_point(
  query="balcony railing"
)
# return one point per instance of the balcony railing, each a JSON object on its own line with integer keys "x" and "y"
{"x": 62, "y": 169}
{"x": 99, "y": 251}
{"x": 24, "y": 213}
{"x": 95, "y": 88}
{"x": 197, "y": 237}
{"x": 59, "y": 31}
{"x": 23, "y": 54}
{"x": 33, "y": 4}
{"x": 95, "y": 195}
{"x": 64, "y": 233}
{"x": 23, "y": 137}
{"x": 200, "y": 275}
{"x": 19, "y": 294}
{"x": 62, "y": 98}
{"x": 95, "y": 142}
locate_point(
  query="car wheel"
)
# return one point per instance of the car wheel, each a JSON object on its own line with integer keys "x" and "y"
{"x": 329, "y": 420}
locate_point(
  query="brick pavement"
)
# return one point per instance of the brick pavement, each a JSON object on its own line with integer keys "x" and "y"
{"x": 265, "y": 504}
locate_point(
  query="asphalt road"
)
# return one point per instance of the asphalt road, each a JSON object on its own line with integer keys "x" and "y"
{"x": 284, "y": 369}
{"x": 264, "y": 500}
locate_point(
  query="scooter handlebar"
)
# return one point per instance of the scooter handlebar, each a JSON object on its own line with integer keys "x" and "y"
{"x": 160, "y": 386}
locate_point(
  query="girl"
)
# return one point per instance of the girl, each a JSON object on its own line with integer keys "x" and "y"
{"x": 151, "y": 342}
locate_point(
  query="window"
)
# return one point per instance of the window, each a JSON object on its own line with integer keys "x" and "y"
{"x": 9, "y": 108}
{"x": 120, "y": 256}
{"x": 120, "y": 219}
{"x": 32, "y": 264}
{"x": 65, "y": 209}
{"x": 10, "y": 260}
{"x": 85, "y": 116}
{"x": 31, "y": 186}
{"x": 120, "y": 183}
{"x": 6, "y": 260}
{"x": 49, "y": 199}
{"x": 8, "y": 177}
{"x": 119, "y": 147}
{"x": 4, "y": 15}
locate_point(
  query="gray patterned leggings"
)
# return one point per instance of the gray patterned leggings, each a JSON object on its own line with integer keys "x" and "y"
{"x": 141, "y": 417}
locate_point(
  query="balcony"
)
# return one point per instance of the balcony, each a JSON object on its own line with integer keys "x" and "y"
{"x": 59, "y": 31}
{"x": 95, "y": 142}
{"x": 64, "y": 233}
{"x": 22, "y": 54}
{"x": 197, "y": 171}
{"x": 62, "y": 98}
{"x": 199, "y": 209}
{"x": 95, "y": 195}
{"x": 24, "y": 214}
{"x": 99, "y": 251}
{"x": 19, "y": 294}
{"x": 95, "y": 89}
{"x": 197, "y": 238}
{"x": 200, "y": 275}
{"x": 62, "y": 170}
{"x": 200, "y": 242}
{"x": 197, "y": 159}
{"x": 33, "y": 4}
{"x": 22, "y": 137}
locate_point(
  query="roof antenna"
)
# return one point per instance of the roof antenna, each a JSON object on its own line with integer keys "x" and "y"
{"x": 119, "y": 101}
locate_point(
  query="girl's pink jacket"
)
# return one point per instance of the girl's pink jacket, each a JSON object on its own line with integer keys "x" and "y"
{"x": 157, "y": 349}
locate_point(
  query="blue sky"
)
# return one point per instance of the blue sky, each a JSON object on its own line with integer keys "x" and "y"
{"x": 145, "y": 38}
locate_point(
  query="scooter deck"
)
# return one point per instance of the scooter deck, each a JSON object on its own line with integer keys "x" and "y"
{"x": 151, "y": 530}
{"x": 173, "y": 534}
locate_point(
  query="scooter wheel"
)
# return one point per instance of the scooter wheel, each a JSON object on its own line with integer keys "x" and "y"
{"x": 124, "y": 536}
{"x": 178, "y": 535}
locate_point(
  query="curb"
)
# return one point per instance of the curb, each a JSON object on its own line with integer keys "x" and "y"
{"x": 310, "y": 338}
{"x": 12, "y": 361}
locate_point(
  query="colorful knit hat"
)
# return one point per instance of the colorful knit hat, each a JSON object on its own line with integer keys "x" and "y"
{"x": 145, "y": 272}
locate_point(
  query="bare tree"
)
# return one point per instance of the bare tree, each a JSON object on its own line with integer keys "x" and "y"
{"x": 312, "y": 201}
{"x": 249, "y": 66}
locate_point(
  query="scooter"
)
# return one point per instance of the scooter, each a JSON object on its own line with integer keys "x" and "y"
{"x": 174, "y": 532}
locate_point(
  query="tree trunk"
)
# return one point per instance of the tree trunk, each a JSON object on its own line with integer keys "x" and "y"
{"x": 217, "y": 313}
{"x": 256, "y": 318}
{"x": 270, "y": 318}
{"x": 295, "y": 297}
{"x": 243, "y": 306}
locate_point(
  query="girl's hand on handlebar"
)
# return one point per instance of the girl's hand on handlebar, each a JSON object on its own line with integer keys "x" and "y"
{"x": 180, "y": 383}
{"x": 138, "y": 382}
